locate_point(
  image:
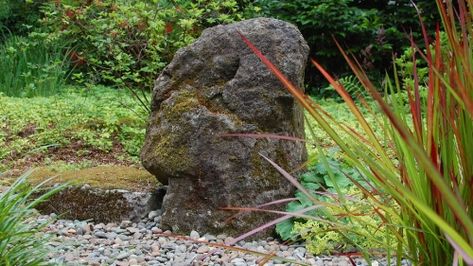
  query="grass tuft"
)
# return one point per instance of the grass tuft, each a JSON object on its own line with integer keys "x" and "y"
{"x": 29, "y": 68}
{"x": 21, "y": 239}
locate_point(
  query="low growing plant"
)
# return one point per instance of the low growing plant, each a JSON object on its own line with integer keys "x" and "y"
{"x": 350, "y": 82}
{"x": 365, "y": 232}
{"x": 322, "y": 180}
{"x": 318, "y": 182}
{"x": 98, "y": 119}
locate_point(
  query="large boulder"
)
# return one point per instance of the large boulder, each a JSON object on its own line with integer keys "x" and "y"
{"x": 215, "y": 86}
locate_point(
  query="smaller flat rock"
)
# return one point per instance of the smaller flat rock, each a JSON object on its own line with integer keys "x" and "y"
{"x": 203, "y": 249}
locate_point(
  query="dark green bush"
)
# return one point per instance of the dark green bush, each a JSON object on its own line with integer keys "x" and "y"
{"x": 18, "y": 16}
{"x": 126, "y": 43}
{"x": 372, "y": 30}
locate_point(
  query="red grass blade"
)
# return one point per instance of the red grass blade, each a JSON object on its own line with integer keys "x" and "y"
{"x": 291, "y": 179}
{"x": 262, "y": 136}
{"x": 299, "y": 213}
{"x": 459, "y": 250}
{"x": 263, "y": 205}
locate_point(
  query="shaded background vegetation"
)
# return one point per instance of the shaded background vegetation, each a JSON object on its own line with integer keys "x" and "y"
{"x": 64, "y": 65}
{"x": 126, "y": 43}
{"x": 374, "y": 31}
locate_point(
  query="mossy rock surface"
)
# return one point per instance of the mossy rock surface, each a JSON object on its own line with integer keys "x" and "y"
{"x": 102, "y": 177}
{"x": 217, "y": 86}
{"x": 105, "y": 194}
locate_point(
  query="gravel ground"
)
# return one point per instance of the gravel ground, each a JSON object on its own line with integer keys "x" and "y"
{"x": 143, "y": 243}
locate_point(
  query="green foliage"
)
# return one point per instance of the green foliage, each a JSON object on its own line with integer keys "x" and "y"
{"x": 18, "y": 17}
{"x": 324, "y": 180}
{"x": 21, "y": 239}
{"x": 361, "y": 233}
{"x": 98, "y": 118}
{"x": 318, "y": 20}
{"x": 371, "y": 30}
{"x": 30, "y": 68}
{"x": 421, "y": 169}
{"x": 126, "y": 43}
{"x": 405, "y": 64}
{"x": 405, "y": 67}
{"x": 320, "y": 176}
{"x": 351, "y": 84}
{"x": 318, "y": 137}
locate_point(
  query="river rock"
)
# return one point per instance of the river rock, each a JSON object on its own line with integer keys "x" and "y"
{"x": 217, "y": 86}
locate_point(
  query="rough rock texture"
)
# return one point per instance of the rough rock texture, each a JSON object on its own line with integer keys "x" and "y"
{"x": 102, "y": 206}
{"x": 216, "y": 86}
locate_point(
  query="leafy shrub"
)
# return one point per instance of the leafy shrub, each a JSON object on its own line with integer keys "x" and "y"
{"x": 405, "y": 64}
{"x": 372, "y": 30}
{"x": 21, "y": 239}
{"x": 97, "y": 119}
{"x": 126, "y": 43}
{"x": 18, "y": 17}
{"x": 318, "y": 20}
{"x": 30, "y": 68}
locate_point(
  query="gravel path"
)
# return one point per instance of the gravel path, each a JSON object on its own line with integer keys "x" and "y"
{"x": 143, "y": 243}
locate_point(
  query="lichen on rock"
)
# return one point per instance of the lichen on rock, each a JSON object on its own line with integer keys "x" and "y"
{"x": 215, "y": 86}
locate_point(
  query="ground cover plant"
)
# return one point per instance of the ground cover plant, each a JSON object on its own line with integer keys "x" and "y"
{"x": 21, "y": 242}
{"x": 420, "y": 171}
{"x": 322, "y": 178}
{"x": 96, "y": 125}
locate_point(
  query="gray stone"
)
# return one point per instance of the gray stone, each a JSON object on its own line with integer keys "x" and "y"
{"x": 123, "y": 255}
{"x": 182, "y": 248}
{"x": 132, "y": 230}
{"x": 101, "y": 205}
{"x": 238, "y": 262}
{"x": 111, "y": 235}
{"x": 101, "y": 234}
{"x": 194, "y": 234}
{"x": 210, "y": 237}
{"x": 153, "y": 214}
{"x": 216, "y": 86}
{"x": 203, "y": 249}
{"x": 162, "y": 259}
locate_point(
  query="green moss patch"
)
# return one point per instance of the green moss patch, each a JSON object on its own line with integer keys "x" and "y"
{"x": 103, "y": 177}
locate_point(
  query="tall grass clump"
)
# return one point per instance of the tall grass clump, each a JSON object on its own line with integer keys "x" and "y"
{"x": 419, "y": 170}
{"x": 20, "y": 240}
{"x": 31, "y": 68}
